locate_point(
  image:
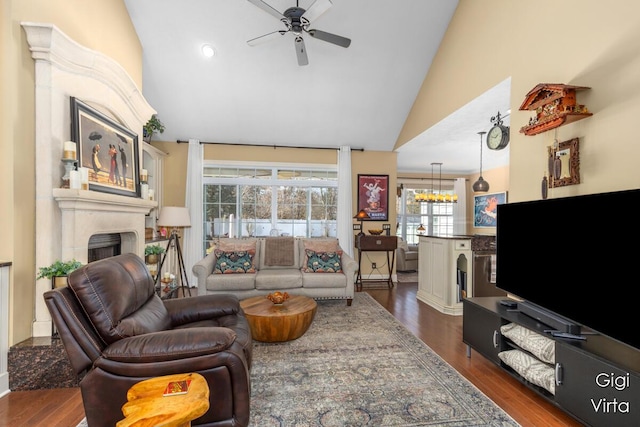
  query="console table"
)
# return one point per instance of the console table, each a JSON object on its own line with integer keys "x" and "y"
{"x": 386, "y": 244}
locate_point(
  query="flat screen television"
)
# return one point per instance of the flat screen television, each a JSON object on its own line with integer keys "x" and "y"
{"x": 577, "y": 257}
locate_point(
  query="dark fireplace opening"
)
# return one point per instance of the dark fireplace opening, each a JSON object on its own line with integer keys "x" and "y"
{"x": 104, "y": 246}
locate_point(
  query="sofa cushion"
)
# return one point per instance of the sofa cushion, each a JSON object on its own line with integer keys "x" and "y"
{"x": 316, "y": 245}
{"x": 237, "y": 244}
{"x": 315, "y": 280}
{"x": 228, "y": 262}
{"x": 323, "y": 262}
{"x": 247, "y": 244}
{"x": 284, "y": 278}
{"x": 231, "y": 282}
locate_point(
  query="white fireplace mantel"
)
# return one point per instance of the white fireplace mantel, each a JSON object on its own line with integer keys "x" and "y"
{"x": 66, "y": 219}
{"x": 86, "y": 213}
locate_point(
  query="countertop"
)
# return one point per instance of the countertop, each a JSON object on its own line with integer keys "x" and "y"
{"x": 453, "y": 237}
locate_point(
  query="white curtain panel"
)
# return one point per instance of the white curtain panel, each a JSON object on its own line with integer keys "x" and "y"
{"x": 460, "y": 208}
{"x": 192, "y": 246}
{"x": 345, "y": 200}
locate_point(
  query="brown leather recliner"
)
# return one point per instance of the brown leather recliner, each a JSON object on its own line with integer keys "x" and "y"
{"x": 117, "y": 332}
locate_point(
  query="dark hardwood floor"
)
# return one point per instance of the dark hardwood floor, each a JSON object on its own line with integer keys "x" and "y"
{"x": 441, "y": 332}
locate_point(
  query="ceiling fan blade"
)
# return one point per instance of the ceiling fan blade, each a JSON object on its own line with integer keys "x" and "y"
{"x": 266, "y": 37}
{"x": 331, "y": 38}
{"x": 271, "y": 11}
{"x": 316, "y": 9}
{"x": 301, "y": 51}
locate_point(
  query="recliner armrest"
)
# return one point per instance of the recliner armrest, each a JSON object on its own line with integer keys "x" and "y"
{"x": 175, "y": 344}
{"x": 204, "y": 307}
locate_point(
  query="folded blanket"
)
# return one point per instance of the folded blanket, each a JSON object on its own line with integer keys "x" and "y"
{"x": 278, "y": 251}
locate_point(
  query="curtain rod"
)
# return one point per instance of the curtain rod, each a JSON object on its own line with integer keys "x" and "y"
{"x": 274, "y": 146}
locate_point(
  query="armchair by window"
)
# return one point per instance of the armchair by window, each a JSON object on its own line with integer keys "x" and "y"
{"x": 407, "y": 256}
{"x": 117, "y": 331}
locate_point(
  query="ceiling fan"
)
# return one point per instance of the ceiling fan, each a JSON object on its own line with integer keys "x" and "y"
{"x": 297, "y": 21}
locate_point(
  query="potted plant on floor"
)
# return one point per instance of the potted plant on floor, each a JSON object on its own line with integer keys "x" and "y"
{"x": 152, "y": 126}
{"x": 58, "y": 272}
{"x": 151, "y": 253}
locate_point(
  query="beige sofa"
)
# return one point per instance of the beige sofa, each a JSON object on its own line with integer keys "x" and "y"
{"x": 259, "y": 266}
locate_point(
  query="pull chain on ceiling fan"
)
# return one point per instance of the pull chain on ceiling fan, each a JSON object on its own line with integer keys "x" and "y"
{"x": 297, "y": 21}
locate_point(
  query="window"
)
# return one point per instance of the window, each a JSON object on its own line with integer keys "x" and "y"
{"x": 436, "y": 218}
{"x": 250, "y": 201}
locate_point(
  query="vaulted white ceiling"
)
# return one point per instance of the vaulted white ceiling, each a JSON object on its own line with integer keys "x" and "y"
{"x": 358, "y": 96}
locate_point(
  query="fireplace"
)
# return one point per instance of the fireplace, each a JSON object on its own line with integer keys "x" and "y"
{"x": 104, "y": 246}
{"x": 67, "y": 219}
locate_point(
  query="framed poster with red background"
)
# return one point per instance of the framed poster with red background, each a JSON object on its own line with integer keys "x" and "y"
{"x": 373, "y": 196}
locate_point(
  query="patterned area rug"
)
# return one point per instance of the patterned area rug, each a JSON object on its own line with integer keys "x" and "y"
{"x": 358, "y": 366}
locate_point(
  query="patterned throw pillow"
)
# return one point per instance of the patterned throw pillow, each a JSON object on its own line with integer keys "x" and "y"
{"x": 228, "y": 262}
{"x": 323, "y": 262}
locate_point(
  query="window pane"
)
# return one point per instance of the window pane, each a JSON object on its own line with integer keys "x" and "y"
{"x": 307, "y": 209}
{"x": 437, "y": 218}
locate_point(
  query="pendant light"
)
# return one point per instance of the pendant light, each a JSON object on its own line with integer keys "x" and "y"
{"x": 431, "y": 197}
{"x": 481, "y": 186}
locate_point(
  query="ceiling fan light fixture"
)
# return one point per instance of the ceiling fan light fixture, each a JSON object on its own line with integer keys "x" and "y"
{"x": 297, "y": 21}
{"x": 208, "y": 51}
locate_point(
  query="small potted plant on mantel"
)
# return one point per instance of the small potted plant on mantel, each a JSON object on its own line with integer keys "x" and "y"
{"x": 58, "y": 272}
{"x": 151, "y": 253}
{"x": 152, "y": 126}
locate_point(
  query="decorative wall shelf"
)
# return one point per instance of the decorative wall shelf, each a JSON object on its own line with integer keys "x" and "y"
{"x": 555, "y": 105}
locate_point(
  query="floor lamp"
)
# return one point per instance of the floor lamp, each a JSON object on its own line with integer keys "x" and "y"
{"x": 175, "y": 217}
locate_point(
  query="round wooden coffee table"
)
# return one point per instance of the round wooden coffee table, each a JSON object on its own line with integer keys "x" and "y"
{"x": 271, "y": 322}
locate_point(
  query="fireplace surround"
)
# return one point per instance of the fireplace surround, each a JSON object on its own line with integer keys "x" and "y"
{"x": 66, "y": 219}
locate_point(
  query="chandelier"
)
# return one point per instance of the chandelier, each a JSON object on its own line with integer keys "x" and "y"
{"x": 431, "y": 197}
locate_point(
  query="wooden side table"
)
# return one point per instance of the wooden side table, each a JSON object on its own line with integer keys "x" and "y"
{"x": 387, "y": 244}
{"x": 271, "y": 322}
{"x": 146, "y": 405}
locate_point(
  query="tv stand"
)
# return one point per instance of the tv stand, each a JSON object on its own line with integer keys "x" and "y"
{"x": 596, "y": 379}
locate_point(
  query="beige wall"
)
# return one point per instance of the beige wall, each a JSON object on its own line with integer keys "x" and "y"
{"x": 581, "y": 42}
{"x": 103, "y": 25}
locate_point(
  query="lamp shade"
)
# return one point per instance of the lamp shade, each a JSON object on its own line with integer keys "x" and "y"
{"x": 362, "y": 215}
{"x": 174, "y": 216}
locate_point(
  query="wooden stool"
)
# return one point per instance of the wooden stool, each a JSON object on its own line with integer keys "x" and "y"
{"x": 147, "y": 406}
{"x": 271, "y": 322}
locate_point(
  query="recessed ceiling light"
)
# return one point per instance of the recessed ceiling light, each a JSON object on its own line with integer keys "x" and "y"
{"x": 208, "y": 51}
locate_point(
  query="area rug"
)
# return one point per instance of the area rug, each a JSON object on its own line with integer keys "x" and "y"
{"x": 358, "y": 366}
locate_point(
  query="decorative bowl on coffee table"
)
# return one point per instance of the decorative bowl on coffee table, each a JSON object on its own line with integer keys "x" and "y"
{"x": 278, "y": 297}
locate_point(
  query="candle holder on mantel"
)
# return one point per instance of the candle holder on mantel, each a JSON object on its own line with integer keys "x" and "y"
{"x": 69, "y": 165}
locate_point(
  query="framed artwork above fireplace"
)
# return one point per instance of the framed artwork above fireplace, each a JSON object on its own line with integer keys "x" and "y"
{"x": 108, "y": 149}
